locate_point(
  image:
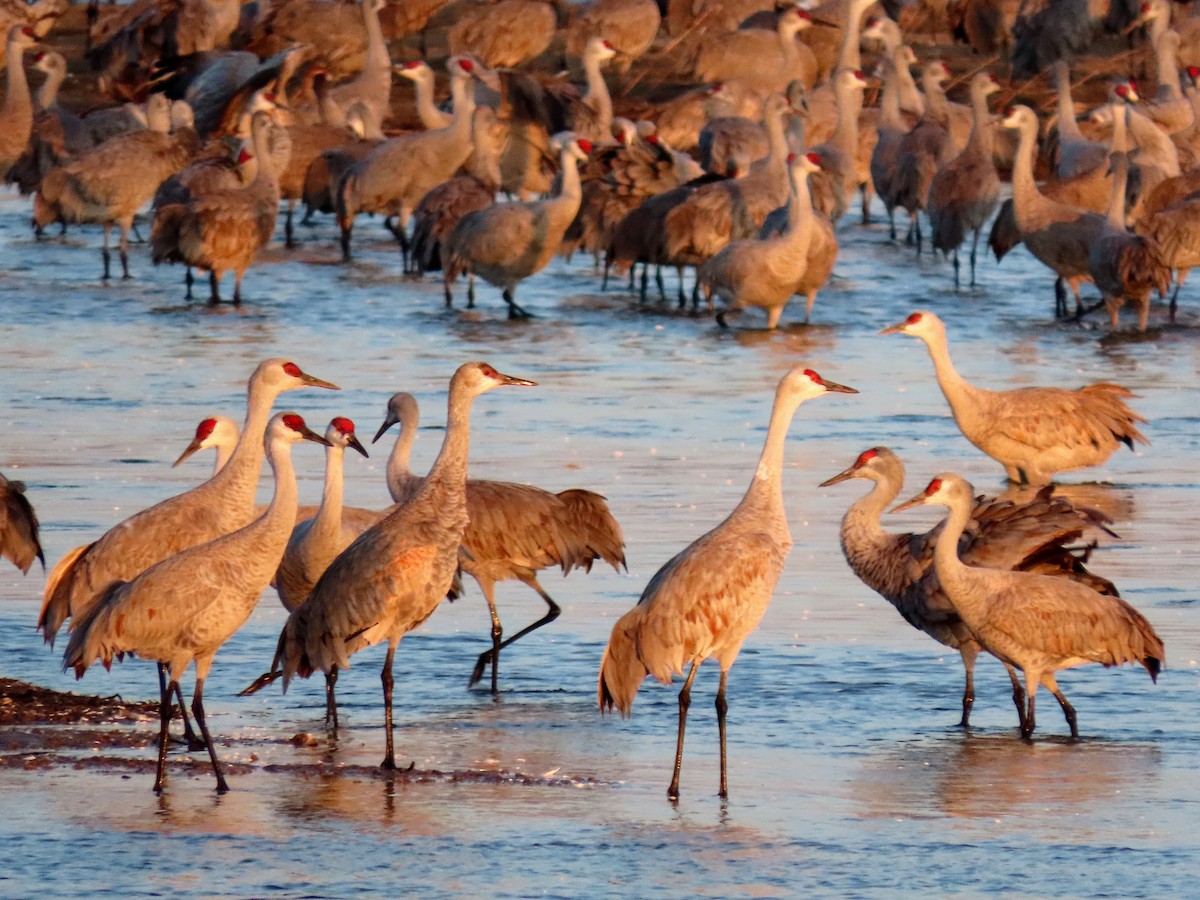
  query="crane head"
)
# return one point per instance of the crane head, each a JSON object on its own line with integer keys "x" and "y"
{"x": 943, "y": 490}
{"x": 340, "y": 433}
{"x": 868, "y": 465}
{"x": 290, "y": 427}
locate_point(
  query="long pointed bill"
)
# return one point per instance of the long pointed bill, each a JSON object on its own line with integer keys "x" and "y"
{"x": 517, "y": 382}
{"x": 312, "y": 381}
{"x": 194, "y": 446}
{"x": 894, "y": 329}
{"x": 309, "y": 435}
{"x": 838, "y": 388}
{"x": 387, "y": 423}
{"x": 918, "y": 500}
{"x": 353, "y": 442}
{"x": 840, "y": 476}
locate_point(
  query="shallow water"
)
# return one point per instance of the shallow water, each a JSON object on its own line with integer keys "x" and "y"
{"x": 846, "y": 773}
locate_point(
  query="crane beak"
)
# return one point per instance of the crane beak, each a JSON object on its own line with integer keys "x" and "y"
{"x": 918, "y": 500}
{"x": 353, "y": 442}
{"x": 387, "y": 423}
{"x": 840, "y": 476}
{"x": 836, "y": 388}
{"x": 191, "y": 448}
{"x": 312, "y": 381}
{"x": 898, "y": 328}
{"x": 309, "y": 435}
{"x": 517, "y": 382}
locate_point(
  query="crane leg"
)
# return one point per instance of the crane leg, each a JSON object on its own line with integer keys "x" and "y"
{"x": 470, "y": 290}
{"x": 892, "y": 223}
{"x": 331, "y": 718}
{"x": 685, "y": 700}
{"x": 1068, "y": 710}
{"x": 164, "y": 722}
{"x": 1060, "y": 298}
{"x": 969, "y": 652}
{"x": 202, "y": 724}
{"x": 497, "y": 645}
{"x": 214, "y": 284}
{"x": 104, "y": 255}
{"x": 956, "y": 277}
{"x": 682, "y": 295}
{"x": 389, "y": 758}
{"x": 289, "y": 236}
{"x": 347, "y": 228}
{"x": 123, "y": 250}
{"x": 514, "y": 311}
{"x": 645, "y": 280}
{"x": 974, "y": 247}
{"x": 604, "y": 278}
{"x": 1028, "y": 724}
{"x": 1018, "y": 695}
{"x": 722, "y": 708}
{"x": 658, "y": 280}
{"x": 237, "y": 287}
{"x": 189, "y": 735}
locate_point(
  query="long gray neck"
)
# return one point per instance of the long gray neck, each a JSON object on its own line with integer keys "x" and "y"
{"x": 17, "y": 94}
{"x": 328, "y": 521}
{"x": 955, "y": 577}
{"x": 399, "y": 473}
{"x": 597, "y": 95}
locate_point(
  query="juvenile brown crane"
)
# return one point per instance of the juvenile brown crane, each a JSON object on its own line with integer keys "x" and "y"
{"x": 184, "y": 608}
{"x": 707, "y": 600}
{"x": 1037, "y": 623}
{"x": 1031, "y": 537}
{"x": 394, "y": 575}
{"x": 1033, "y": 432}
{"x": 513, "y": 530}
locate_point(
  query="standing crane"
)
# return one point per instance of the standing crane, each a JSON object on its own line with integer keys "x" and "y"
{"x": 1037, "y": 536}
{"x": 1033, "y": 432}
{"x": 513, "y": 530}
{"x": 1037, "y": 623}
{"x": 708, "y": 599}
{"x": 19, "y": 542}
{"x": 394, "y": 575}
{"x": 184, "y": 608}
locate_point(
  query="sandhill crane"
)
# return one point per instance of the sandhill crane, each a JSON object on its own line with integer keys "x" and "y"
{"x": 16, "y": 115}
{"x": 394, "y": 176}
{"x": 506, "y": 243}
{"x": 923, "y": 150}
{"x": 1125, "y": 266}
{"x": 443, "y": 208}
{"x": 1036, "y": 536}
{"x": 629, "y": 25}
{"x": 891, "y": 128}
{"x": 766, "y": 59}
{"x": 184, "y": 608}
{"x": 714, "y": 214}
{"x": 220, "y": 432}
{"x": 57, "y": 133}
{"x": 965, "y": 191}
{"x": 223, "y": 230}
{"x": 372, "y": 87}
{"x": 513, "y": 530}
{"x": 839, "y": 154}
{"x": 394, "y": 575}
{"x": 508, "y": 33}
{"x": 325, "y": 172}
{"x": 220, "y": 505}
{"x": 764, "y": 272}
{"x": 421, "y": 75}
{"x": 1175, "y": 230}
{"x": 1037, "y": 623}
{"x": 1059, "y": 236}
{"x": 19, "y": 542}
{"x": 111, "y": 182}
{"x": 711, "y": 595}
{"x": 1033, "y": 432}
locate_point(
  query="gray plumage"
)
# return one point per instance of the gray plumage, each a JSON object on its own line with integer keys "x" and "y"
{"x": 19, "y": 541}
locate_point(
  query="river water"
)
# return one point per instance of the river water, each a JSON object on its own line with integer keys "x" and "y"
{"x": 847, "y": 775}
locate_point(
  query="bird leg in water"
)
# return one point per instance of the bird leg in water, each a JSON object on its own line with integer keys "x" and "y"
{"x": 237, "y": 287}
{"x": 969, "y": 652}
{"x": 1068, "y": 710}
{"x": 289, "y": 235}
{"x": 389, "y": 758}
{"x": 164, "y": 721}
{"x": 493, "y": 655}
{"x": 214, "y": 285}
{"x": 974, "y": 246}
{"x": 514, "y": 311}
{"x": 685, "y": 700}
{"x": 331, "y": 718}
{"x": 189, "y": 736}
{"x": 722, "y": 708}
{"x": 1060, "y": 298}
{"x": 1018, "y": 696}
{"x": 202, "y": 724}
{"x": 104, "y": 254}
{"x": 123, "y": 251}
{"x": 1027, "y": 723}
{"x": 188, "y": 280}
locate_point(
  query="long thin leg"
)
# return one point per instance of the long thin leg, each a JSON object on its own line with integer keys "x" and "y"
{"x": 974, "y": 247}
{"x": 645, "y": 281}
{"x": 104, "y": 255}
{"x": 290, "y": 239}
{"x": 494, "y": 654}
{"x": 190, "y": 737}
{"x": 164, "y": 721}
{"x": 331, "y": 717}
{"x": 123, "y": 249}
{"x": 722, "y": 708}
{"x": 237, "y": 287}
{"x": 202, "y": 724}
{"x": 658, "y": 279}
{"x": 685, "y": 700}
{"x": 1018, "y": 695}
{"x": 514, "y": 311}
{"x": 188, "y": 279}
{"x": 956, "y": 276}
{"x": 214, "y": 285}
{"x": 969, "y": 652}
{"x": 1031, "y": 686}
{"x": 1068, "y": 710}
{"x": 389, "y": 758}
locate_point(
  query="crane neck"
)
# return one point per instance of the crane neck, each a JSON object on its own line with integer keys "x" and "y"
{"x": 463, "y": 99}
{"x": 764, "y": 497}
{"x": 268, "y": 535}
{"x": 1151, "y": 139}
{"x": 377, "y": 53}
{"x": 800, "y": 217}
{"x": 1166, "y": 62}
{"x": 238, "y": 479}
{"x": 399, "y": 472}
{"x": 48, "y": 92}
{"x": 954, "y": 386}
{"x": 431, "y": 117}
{"x": 224, "y": 452}
{"x": 597, "y": 95}
{"x": 1116, "y": 199}
{"x": 937, "y": 108}
{"x": 449, "y": 471}
{"x": 953, "y": 574}
{"x": 485, "y": 164}
{"x": 849, "y": 54}
{"x": 1025, "y": 189}
{"x": 849, "y": 105}
{"x": 1119, "y": 143}
{"x": 570, "y": 190}
{"x": 1067, "y": 126}
{"x": 16, "y": 97}
{"x": 328, "y": 520}
{"x": 864, "y": 541}
{"x": 981, "y": 138}
{"x": 889, "y": 100}
{"x": 777, "y": 155}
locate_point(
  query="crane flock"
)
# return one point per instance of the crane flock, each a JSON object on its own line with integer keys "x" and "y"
{"x": 787, "y": 140}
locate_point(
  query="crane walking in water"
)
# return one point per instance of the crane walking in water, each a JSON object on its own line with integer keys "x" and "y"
{"x": 706, "y": 600}
{"x": 186, "y": 607}
{"x": 1037, "y": 536}
{"x": 394, "y": 575}
{"x": 1034, "y": 622}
